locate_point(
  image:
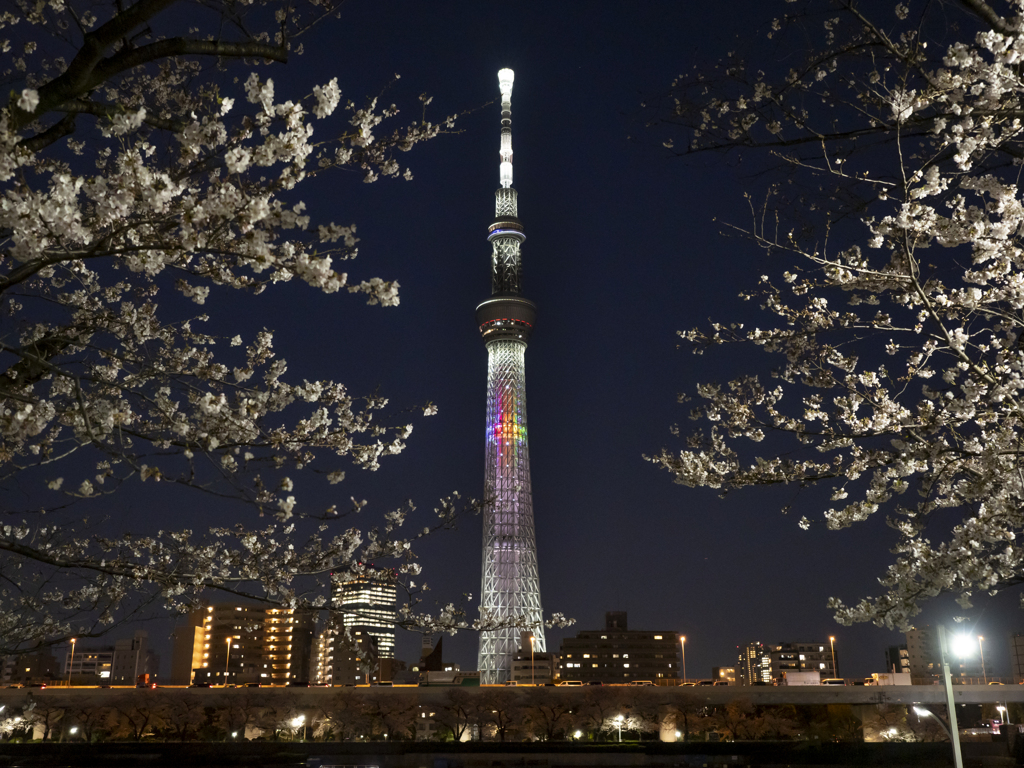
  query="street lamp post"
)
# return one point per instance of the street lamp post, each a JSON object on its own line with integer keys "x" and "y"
{"x": 72, "y": 664}
{"x": 832, "y": 642}
{"x": 954, "y": 730}
{"x": 682, "y": 645}
{"x": 981, "y": 649}
{"x": 533, "y": 677}
{"x": 226, "y": 662}
{"x": 618, "y": 722}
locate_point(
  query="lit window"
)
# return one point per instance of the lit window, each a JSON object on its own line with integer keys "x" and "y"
{"x": 657, "y": 637}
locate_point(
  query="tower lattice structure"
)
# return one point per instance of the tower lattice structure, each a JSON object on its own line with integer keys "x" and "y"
{"x": 510, "y": 588}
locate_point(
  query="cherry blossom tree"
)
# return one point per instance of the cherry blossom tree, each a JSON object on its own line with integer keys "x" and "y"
{"x": 893, "y": 149}
{"x": 147, "y": 167}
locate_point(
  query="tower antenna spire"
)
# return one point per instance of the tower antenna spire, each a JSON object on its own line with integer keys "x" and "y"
{"x": 505, "y": 79}
{"x": 510, "y": 588}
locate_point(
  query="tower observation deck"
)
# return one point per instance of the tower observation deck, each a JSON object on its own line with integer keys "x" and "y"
{"x": 510, "y": 589}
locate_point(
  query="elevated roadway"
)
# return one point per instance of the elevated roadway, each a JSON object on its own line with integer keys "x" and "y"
{"x": 711, "y": 695}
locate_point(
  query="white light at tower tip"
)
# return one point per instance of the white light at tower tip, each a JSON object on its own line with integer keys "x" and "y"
{"x": 505, "y": 79}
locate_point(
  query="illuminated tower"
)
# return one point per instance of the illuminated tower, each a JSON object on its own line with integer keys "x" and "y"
{"x": 510, "y": 588}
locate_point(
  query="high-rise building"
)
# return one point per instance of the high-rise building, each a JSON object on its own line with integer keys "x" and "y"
{"x": 617, "y": 654}
{"x": 362, "y": 634}
{"x": 754, "y": 664}
{"x": 510, "y": 587}
{"x": 240, "y": 644}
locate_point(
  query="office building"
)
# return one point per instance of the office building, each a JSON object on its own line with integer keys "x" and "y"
{"x": 361, "y": 632}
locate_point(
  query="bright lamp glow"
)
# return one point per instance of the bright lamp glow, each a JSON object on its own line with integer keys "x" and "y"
{"x": 921, "y": 712}
{"x": 963, "y": 645}
{"x": 505, "y": 80}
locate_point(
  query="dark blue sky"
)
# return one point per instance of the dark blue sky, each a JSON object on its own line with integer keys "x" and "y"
{"x": 623, "y": 250}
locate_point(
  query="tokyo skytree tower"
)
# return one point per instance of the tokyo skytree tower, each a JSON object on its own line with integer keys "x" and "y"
{"x": 510, "y": 587}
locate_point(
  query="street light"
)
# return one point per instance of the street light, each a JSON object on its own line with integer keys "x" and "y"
{"x": 533, "y": 680}
{"x": 226, "y": 662}
{"x": 618, "y": 722}
{"x": 832, "y": 642}
{"x": 981, "y": 649}
{"x": 300, "y": 720}
{"x": 682, "y": 645}
{"x": 1002, "y": 715}
{"x": 73, "y": 641}
{"x": 954, "y": 730}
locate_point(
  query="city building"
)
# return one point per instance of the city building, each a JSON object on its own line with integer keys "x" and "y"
{"x": 804, "y": 657}
{"x": 87, "y": 665}
{"x": 530, "y": 666}
{"x": 897, "y": 658}
{"x": 925, "y": 658}
{"x": 754, "y": 665}
{"x": 923, "y": 655}
{"x": 726, "y": 675}
{"x": 187, "y": 648}
{"x": 431, "y": 656}
{"x": 132, "y": 658}
{"x": 617, "y": 654}
{"x": 510, "y": 585}
{"x": 764, "y": 664}
{"x": 1017, "y": 656}
{"x": 34, "y": 667}
{"x": 241, "y": 644}
{"x": 321, "y": 670}
{"x": 363, "y": 637}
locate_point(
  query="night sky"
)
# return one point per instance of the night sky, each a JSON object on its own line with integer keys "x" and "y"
{"x": 622, "y": 251}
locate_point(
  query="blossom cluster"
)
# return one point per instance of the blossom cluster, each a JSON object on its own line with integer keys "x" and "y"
{"x": 129, "y": 171}
{"x": 899, "y": 375}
